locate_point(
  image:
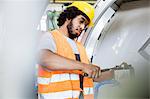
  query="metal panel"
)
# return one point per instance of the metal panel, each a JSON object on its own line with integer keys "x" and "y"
{"x": 120, "y": 42}
{"x": 97, "y": 31}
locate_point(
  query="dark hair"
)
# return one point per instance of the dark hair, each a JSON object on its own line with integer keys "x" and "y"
{"x": 70, "y": 13}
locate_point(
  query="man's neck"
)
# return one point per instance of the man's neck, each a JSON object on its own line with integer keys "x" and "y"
{"x": 63, "y": 30}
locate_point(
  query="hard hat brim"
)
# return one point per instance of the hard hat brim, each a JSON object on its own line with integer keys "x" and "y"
{"x": 91, "y": 24}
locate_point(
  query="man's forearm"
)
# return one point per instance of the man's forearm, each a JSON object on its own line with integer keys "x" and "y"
{"x": 52, "y": 61}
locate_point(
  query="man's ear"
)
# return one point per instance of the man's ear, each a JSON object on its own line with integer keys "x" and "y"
{"x": 68, "y": 20}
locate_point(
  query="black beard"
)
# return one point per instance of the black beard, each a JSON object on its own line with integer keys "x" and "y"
{"x": 71, "y": 34}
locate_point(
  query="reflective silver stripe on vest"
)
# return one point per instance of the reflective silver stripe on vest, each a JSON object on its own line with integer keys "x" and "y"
{"x": 60, "y": 95}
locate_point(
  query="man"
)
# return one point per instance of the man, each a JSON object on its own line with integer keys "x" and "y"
{"x": 63, "y": 61}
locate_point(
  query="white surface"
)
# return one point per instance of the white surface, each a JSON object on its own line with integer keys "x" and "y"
{"x": 120, "y": 43}
{"x": 97, "y": 30}
{"x": 18, "y": 46}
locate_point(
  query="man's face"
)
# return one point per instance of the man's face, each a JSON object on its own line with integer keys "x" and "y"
{"x": 76, "y": 26}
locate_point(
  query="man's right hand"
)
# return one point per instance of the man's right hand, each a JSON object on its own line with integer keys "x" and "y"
{"x": 93, "y": 71}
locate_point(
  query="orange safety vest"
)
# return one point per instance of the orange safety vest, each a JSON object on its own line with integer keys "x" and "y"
{"x": 64, "y": 84}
